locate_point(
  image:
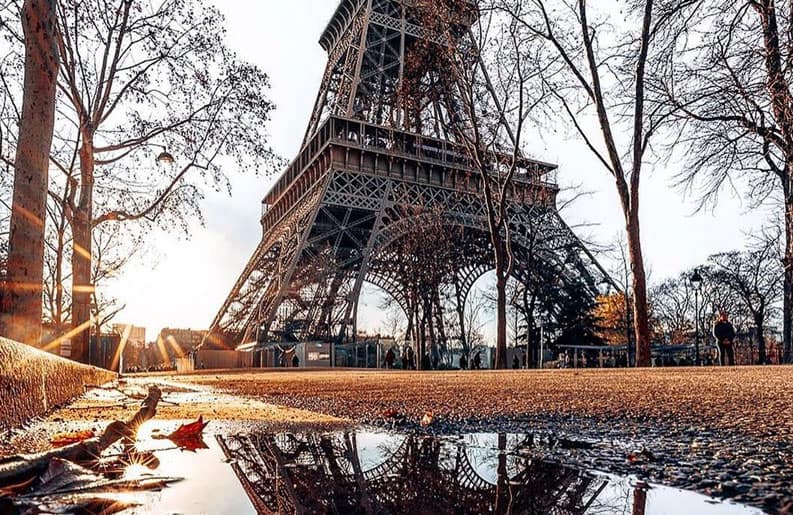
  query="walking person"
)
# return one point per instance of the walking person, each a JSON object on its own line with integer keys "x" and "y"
{"x": 725, "y": 335}
{"x": 389, "y": 358}
{"x": 477, "y": 361}
{"x": 463, "y": 362}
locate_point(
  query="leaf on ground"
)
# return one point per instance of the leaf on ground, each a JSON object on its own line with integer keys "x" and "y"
{"x": 88, "y": 505}
{"x": 62, "y": 474}
{"x": 190, "y": 443}
{"x": 64, "y": 439}
{"x": 427, "y": 419}
{"x": 191, "y": 429}
{"x": 188, "y": 437}
{"x": 8, "y": 491}
{"x": 102, "y": 486}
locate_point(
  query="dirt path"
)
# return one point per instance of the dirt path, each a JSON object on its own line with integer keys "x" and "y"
{"x": 749, "y": 400}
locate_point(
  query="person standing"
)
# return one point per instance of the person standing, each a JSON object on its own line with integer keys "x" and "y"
{"x": 725, "y": 334}
{"x": 463, "y": 361}
{"x": 477, "y": 361}
{"x": 389, "y": 358}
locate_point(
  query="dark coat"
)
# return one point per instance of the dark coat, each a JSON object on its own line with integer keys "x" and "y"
{"x": 723, "y": 330}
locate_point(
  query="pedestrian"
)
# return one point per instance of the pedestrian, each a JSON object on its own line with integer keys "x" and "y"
{"x": 425, "y": 362}
{"x": 515, "y": 362}
{"x": 389, "y": 358}
{"x": 411, "y": 359}
{"x": 725, "y": 334}
{"x": 463, "y": 362}
{"x": 477, "y": 361}
{"x": 435, "y": 361}
{"x": 295, "y": 361}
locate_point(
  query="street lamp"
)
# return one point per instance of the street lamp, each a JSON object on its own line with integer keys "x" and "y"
{"x": 165, "y": 157}
{"x": 696, "y": 282}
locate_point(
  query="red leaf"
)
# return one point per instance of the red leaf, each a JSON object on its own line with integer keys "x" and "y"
{"x": 190, "y": 430}
{"x": 64, "y": 439}
{"x": 190, "y": 443}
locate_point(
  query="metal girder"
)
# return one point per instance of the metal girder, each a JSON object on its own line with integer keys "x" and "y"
{"x": 367, "y": 44}
{"x": 366, "y": 176}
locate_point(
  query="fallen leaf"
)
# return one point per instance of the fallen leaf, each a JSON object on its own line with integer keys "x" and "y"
{"x": 189, "y": 430}
{"x": 62, "y": 474}
{"x": 427, "y": 419}
{"x": 7, "y": 491}
{"x": 190, "y": 443}
{"x": 64, "y": 439}
{"x": 188, "y": 437}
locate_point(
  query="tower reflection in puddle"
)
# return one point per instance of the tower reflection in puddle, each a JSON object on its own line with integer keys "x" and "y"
{"x": 383, "y": 473}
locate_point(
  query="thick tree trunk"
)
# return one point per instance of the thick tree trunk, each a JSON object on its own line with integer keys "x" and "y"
{"x": 460, "y": 307}
{"x": 81, "y": 254}
{"x": 641, "y": 315}
{"x": 21, "y": 318}
{"x": 787, "y": 304}
{"x": 501, "y": 319}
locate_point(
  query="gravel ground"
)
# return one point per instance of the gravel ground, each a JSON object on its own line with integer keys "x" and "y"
{"x": 727, "y": 432}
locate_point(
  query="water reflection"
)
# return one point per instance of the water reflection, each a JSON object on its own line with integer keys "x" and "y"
{"x": 375, "y": 473}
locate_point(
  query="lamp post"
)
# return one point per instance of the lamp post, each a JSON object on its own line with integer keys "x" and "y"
{"x": 164, "y": 157}
{"x": 696, "y": 282}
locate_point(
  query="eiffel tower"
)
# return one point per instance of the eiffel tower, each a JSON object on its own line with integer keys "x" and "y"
{"x": 366, "y": 173}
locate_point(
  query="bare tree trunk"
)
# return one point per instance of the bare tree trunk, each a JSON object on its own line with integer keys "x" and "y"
{"x": 81, "y": 254}
{"x": 501, "y": 320}
{"x": 787, "y": 304}
{"x": 439, "y": 321}
{"x": 21, "y": 319}
{"x": 422, "y": 342}
{"x": 458, "y": 294}
{"x": 641, "y": 316}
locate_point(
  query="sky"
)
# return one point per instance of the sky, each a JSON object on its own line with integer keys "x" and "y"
{"x": 183, "y": 282}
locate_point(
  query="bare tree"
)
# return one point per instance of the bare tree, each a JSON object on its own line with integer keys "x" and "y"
{"x": 21, "y": 312}
{"x": 423, "y": 260}
{"x": 755, "y": 278}
{"x": 729, "y": 80}
{"x": 139, "y": 81}
{"x": 490, "y": 77}
{"x": 600, "y": 72}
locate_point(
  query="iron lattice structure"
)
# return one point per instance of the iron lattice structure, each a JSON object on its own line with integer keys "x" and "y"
{"x": 367, "y": 174}
{"x": 324, "y": 473}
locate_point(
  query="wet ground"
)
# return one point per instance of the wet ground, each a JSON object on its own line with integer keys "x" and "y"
{"x": 542, "y": 451}
{"x": 372, "y": 472}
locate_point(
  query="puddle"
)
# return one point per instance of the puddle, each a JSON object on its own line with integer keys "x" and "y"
{"x": 385, "y": 473}
{"x": 210, "y": 484}
{"x": 478, "y": 473}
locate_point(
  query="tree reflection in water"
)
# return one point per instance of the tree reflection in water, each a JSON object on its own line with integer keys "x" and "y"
{"x": 331, "y": 473}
